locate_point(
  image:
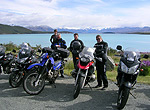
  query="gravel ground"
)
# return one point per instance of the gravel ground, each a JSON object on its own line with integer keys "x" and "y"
{"x": 61, "y": 97}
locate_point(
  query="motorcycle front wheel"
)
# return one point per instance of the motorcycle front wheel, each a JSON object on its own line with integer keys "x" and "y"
{"x": 15, "y": 79}
{"x": 33, "y": 86}
{"x": 123, "y": 95}
{"x": 78, "y": 87}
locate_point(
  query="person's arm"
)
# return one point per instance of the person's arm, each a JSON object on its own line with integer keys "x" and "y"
{"x": 71, "y": 46}
{"x": 82, "y": 45}
{"x": 63, "y": 45}
{"x": 51, "y": 38}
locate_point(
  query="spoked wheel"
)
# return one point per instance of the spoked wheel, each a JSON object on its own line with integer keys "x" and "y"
{"x": 78, "y": 87}
{"x": 32, "y": 85}
{"x": 15, "y": 79}
{"x": 122, "y": 97}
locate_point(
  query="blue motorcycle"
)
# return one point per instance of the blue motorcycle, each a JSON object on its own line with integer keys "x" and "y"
{"x": 47, "y": 69}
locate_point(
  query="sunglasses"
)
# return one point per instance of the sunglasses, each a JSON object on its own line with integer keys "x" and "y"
{"x": 98, "y": 39}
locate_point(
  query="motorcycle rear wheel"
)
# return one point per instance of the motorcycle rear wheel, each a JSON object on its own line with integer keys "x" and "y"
{"x": 15, "y": 79}
{"x": 78, "y": 87}
{"x": 123, "y": 95}
{"x": 29, "y": 83}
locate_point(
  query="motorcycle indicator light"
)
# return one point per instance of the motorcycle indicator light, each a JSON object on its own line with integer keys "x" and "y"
{"x": 141, "y": 69}
{"x": 47, "y": 57}
{"x": 92, "y": 61}
{"x": 23, "y": 74}
{"x": 77, "y": 58}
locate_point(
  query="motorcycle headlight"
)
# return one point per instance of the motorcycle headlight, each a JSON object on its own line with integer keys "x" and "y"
{"x": 131, "y": 70}
{"x": 124, "y": 68}
{"x": 83, "y": 59}
{"x": 1, "y": 57}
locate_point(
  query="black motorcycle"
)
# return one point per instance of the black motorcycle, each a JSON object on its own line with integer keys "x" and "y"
{"x": 6, "y": 60}
{"x": 128, "y": 70}
{"x": 85, "y": 69}
{"x": 25, "y": 58}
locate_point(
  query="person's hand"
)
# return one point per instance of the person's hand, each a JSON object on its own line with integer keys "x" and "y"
{"x": 57, "y": 45}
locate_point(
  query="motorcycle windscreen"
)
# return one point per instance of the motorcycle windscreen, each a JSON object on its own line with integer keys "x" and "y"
{"x": 24, "y": 52}
{"x": 2, "y": 50}
{"x": 87, "y": 52}
{"x": 131, "y": 54}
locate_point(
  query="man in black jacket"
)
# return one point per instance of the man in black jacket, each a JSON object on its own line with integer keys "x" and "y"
{"x": 76, "y": 46}
{"x": 101, "y": 58}
{"x": 54, "y": 36}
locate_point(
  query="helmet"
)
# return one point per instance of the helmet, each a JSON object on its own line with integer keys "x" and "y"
{"x": 76, "y": 45}
{"x": 24, "y": 45}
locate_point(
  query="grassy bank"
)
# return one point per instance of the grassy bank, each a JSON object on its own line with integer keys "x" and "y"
{"x": 111, "y": 75}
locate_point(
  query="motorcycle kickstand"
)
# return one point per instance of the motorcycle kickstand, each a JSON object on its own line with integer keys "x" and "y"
{"x": 89, "y": 86}
{"x": 132, "y": 95}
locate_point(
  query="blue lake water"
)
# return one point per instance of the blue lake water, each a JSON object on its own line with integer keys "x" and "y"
{"x": 140, "y": 42}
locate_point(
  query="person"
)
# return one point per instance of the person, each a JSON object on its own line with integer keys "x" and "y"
{"x": 59, "y": 43}
{"x": 53, "y": 37}
{"x": 76, "y": 46}
{"x": 101, "y": 58}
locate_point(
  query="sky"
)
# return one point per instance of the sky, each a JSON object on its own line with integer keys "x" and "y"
{"x": 76, "y": 14}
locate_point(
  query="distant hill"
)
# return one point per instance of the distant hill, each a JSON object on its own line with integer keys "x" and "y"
{"x": 6, "y": 29}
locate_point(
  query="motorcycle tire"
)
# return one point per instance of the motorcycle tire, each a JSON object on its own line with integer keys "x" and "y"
{"x": 29, "y": 83}
{"x": 78, "y": 87}
{"x": 123, "y": 95}
{"x": 15, "y": 79}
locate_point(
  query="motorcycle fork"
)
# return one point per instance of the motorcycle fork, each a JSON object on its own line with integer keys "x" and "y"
{"x": 41, "y": 73}
{"x": 84, "y": 78}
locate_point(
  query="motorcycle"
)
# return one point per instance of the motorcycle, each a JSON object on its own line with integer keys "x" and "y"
{"x": 24, "y": 59}
{"x": 6, "y": 60}
{"x": 47, "y": 69}
{"x": 85, "y": 69}
{"x": 128, "y": 70}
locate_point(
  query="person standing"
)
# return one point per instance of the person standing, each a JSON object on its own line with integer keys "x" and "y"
{"x": 101, "y": 58}
{"x": 53, "y": 37}
{"x": 59, "y": 43}
{"x": 76, "y": 46}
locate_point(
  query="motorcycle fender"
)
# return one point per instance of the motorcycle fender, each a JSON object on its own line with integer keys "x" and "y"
{"x": 82, "y": 74}
{"x": 128, "y": 84}
{"x": 35, "y": 64}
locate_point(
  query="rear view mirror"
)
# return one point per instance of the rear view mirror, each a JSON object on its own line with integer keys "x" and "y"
{"x": 39, "y": 50}
{"x": 119, "y": 47}
{"x": 146, "y": 56}
{"x": 14, "y": 50}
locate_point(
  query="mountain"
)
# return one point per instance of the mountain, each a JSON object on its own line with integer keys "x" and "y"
{"x": 40, "y": 28}
{"x": 127, "y": 30}
{"x": 130, "y": 30}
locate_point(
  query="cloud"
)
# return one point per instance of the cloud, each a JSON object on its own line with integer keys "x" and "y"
{"x": 74, "y": 13}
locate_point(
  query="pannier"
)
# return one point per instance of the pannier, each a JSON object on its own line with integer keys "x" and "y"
{"x": 47, "y": 50}
{"x": 64, "y": 53}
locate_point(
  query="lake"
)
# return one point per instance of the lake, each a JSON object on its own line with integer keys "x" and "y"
{"x": 138, "y": 41}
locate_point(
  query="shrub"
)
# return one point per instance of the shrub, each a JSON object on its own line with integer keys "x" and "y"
{"x": 145, "y": 65}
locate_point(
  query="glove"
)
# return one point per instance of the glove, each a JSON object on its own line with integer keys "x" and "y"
{"x": 99, "y": 59}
